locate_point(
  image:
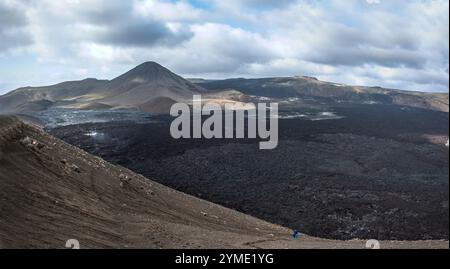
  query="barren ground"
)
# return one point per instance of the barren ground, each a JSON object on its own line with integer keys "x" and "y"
{"x": 51, "y": 192}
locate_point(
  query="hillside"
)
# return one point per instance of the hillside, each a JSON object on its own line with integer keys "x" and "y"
{"x": 321, "y": 92}
{"x": 62, "y": 93}
{"x": 51, "y": 192}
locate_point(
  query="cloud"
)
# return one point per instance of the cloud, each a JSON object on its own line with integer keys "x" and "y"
{"x": 146, "y": 34}
{"x": 124, "y": 24}
{"x": 263, "y": 3}
{"x": 13, "y": 24}
{"x": 336, "y": 56}
{"x": 168, "y": 11}
{"x": 213, "y": 49}
{"x": 11, "y": 16}
{"x": 411, "y": 38}
{"x": 387, "y": 43}
{"x": 102, "y": 22}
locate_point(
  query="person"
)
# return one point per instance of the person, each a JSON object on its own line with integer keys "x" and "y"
{"x": 296, "y": 234}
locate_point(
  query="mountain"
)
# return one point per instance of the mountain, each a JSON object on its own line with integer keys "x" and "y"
{"x": 51, "y": 192}
{"x": 136, "y": 88}
{"x": 142, "y": 87}
{"x": 146, "y": 82}
{"x": 313, "y": 90}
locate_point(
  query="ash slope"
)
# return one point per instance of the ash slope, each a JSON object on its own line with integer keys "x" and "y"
{"x": 51, "y": 192}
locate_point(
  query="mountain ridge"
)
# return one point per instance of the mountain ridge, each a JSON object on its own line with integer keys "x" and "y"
{"x": 331, "y": 93}
{"x": 149, "y": 81}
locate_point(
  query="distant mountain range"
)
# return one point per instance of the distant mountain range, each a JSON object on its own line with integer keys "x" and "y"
{"x": 151, "y": 87}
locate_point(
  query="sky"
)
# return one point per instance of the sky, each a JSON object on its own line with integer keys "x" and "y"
{"x": 390, "y": 43}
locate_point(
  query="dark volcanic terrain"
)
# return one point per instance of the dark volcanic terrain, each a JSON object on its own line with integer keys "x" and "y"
{"x": 372, "y": 173}
{"x": 51, "y": 192}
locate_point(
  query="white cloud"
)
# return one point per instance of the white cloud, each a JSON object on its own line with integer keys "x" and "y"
{"x": 388, "y": 43}
{"x": 373, "y": 1}
{"x": 168, "y": 11}
{"x": 13, "y": 30}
